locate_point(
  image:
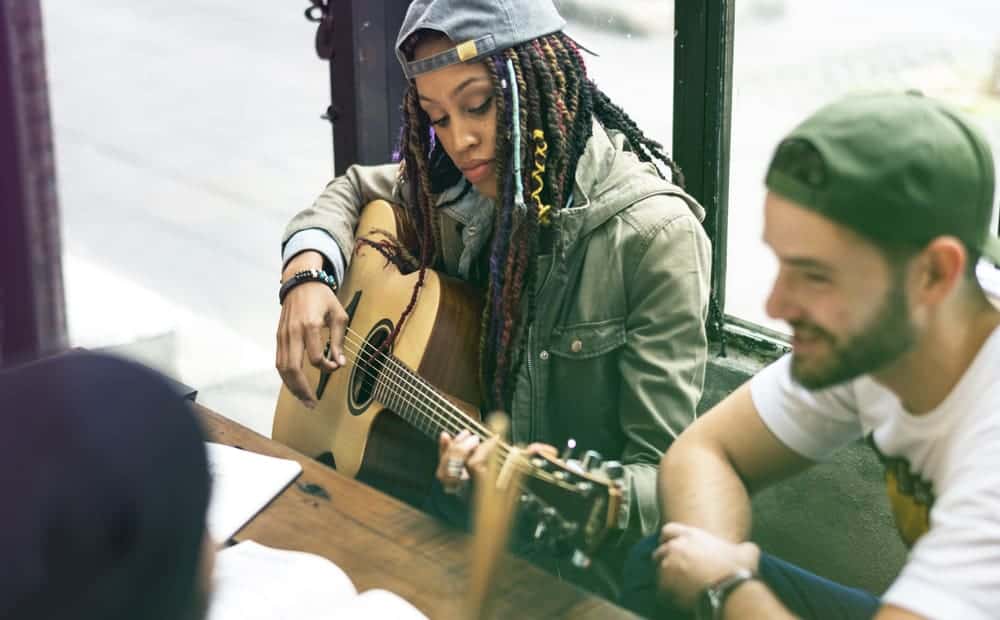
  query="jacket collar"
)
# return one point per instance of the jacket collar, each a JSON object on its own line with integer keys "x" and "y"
{"x": 610, "y": 178}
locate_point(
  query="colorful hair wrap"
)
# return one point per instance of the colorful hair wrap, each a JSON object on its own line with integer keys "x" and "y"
{"x": 541, "y": 148}
{"x": 516, "y": 105}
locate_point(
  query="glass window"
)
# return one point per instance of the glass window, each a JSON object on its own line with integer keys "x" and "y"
{"x": 791, "y": 57}
{"x": 634, "y": 43}
{"x": 186, "y": 134}
{"x": 186, "y": 137}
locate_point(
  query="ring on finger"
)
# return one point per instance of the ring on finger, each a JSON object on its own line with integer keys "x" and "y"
{"x": 456, "y": 488}
{"x": 454, "y": 468}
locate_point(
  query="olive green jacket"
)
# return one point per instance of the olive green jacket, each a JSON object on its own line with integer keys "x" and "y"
{"x": 616, "y": 354}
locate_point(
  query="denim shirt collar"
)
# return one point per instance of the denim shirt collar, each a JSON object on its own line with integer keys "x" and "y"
{"x": 475, "y": 212}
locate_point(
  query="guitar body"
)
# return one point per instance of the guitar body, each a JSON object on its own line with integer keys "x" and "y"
{"x": 439, "y": 340}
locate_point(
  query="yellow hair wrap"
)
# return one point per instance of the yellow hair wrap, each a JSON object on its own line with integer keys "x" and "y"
{"x": 541, "y": 148}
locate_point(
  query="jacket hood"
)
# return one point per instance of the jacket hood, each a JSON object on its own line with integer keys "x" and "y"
{"x": 610, "y": 178}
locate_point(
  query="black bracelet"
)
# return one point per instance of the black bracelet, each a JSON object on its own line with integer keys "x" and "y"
{"x": 307, "y": 275}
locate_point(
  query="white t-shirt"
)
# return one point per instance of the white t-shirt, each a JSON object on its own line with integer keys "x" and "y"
{"x": 952, "y": 455}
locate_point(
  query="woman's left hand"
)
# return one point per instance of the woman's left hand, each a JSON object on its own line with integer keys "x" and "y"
{"x": 465, "y": 457}
{"x": 460, "y": 458}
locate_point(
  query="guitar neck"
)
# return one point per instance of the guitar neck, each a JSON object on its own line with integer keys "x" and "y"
{"x": 552, "y": 491}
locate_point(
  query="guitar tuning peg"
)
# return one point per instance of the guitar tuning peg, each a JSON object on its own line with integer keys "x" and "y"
{"x": 591, "y": 460}
{"x": 568, "y": 450}
{"x": 580, "y": 559}
{"x": 567, "y": 530}
{"x": 613, "y": 470}
{"x": 539, "y": 463}
{"x": 540, "y": 530}
{"x": 529, "y": 503}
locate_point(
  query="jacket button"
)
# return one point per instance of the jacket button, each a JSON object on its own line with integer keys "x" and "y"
{"x": 544, "y": 355}
{"x": 577, "y": 346}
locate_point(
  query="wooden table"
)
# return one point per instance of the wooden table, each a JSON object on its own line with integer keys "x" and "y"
{"x": 381, "y": 542}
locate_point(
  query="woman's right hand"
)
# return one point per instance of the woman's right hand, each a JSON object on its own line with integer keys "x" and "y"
{"x": 307, "y": 309}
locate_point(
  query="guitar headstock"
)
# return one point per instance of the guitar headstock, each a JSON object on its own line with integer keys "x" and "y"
{"x": 573, "y": 504}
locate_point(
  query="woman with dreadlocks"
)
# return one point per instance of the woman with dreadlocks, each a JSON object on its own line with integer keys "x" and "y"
{"x": 520, "y": 175}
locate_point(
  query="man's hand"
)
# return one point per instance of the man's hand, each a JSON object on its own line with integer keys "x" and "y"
{"x": 308, "y": 308}
{"x": 689, "y": 560}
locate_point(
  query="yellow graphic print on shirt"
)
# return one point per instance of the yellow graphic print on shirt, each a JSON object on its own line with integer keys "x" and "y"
{"x": 910, "y": 496}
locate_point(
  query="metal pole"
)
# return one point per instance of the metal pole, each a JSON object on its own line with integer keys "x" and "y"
{"x": 33, "y": 318}
{"x": 703, "y": 75}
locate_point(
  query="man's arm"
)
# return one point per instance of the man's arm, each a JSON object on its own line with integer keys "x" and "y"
{"x": 755, "y": 600}
{"x": 708, "y": 474}
{"x": 691, "y": 559}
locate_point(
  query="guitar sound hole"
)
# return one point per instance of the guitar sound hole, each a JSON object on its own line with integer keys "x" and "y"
{"x": 367, "y": 369}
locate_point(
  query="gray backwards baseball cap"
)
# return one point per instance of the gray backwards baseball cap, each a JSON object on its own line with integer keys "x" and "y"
{"x": 895, "y": 167}
{"x": 479, "y": 28}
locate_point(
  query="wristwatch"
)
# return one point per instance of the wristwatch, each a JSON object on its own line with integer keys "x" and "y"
{"x": 714, "y": 596}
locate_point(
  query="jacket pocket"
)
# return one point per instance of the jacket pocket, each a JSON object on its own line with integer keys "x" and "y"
{"x": 586, "y": 340}
{"x": 585, "y": 384}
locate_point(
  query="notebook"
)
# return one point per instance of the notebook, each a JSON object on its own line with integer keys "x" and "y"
{"x": 252, "y": 581}
{"x": 243, "y": 483}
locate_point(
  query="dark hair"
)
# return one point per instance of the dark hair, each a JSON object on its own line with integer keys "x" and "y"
{"x": 557, "y": 98}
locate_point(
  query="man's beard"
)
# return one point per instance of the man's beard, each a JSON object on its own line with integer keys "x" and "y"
{"x": 883, "y": 340}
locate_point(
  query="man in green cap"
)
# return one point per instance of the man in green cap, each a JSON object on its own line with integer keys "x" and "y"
{"x": 878, "y": 210}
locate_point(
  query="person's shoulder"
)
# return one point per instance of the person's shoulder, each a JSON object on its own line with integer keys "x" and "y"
{"x": 979, "y": 388}
{"x": 670, "y": 211}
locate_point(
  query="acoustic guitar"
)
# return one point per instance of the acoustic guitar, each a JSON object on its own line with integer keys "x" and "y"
{"x": 379, "y": 416}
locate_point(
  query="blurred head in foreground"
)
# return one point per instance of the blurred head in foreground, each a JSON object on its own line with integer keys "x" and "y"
{"x": 106, "y": 486}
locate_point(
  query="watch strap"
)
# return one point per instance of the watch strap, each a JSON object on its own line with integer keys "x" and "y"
{"x": 715, "y": 595}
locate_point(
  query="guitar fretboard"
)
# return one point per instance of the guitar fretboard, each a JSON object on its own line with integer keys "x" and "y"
{"x": 406, "y": 394}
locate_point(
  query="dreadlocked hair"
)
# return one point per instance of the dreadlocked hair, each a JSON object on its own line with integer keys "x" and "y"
{"x": 557, "y": 99}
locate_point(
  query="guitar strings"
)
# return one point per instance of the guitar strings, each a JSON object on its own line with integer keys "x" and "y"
{"x": 457, "y": 419}
{"x": 413, "y": 380}
{"x": 449, "y": 424}
{"x": 406, "y": 378}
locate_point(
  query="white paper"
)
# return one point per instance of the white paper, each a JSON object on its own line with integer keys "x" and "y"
{"x": 379, "y": 604}
{"x": 254, "y": 582}
{"x": 243, "y": 483}
{"x": 989, "y": 278}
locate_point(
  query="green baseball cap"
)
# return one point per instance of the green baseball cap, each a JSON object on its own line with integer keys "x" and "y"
{"x": 896, "y": 167}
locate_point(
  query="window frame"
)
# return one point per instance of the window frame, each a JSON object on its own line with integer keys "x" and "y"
{"x": 703, "y": 93}
{"x": 703, "y": 67}
{"x": 366, "y": 84}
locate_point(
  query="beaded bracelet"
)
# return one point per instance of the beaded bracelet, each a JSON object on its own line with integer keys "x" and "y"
{"x": 307, "y": 275}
